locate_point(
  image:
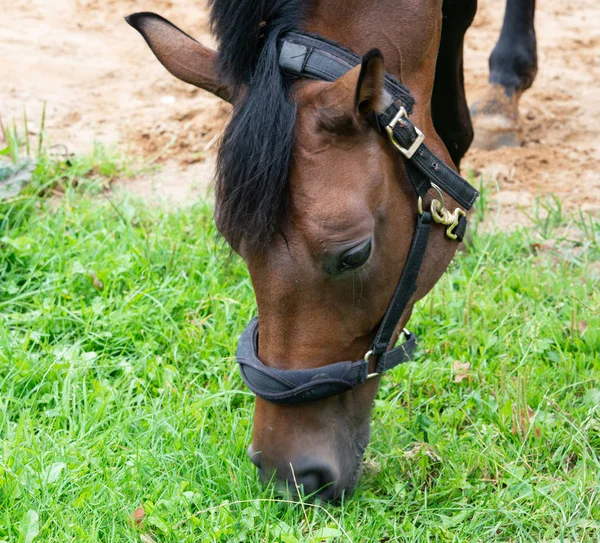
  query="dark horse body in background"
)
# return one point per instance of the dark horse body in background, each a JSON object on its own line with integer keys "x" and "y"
{"x": 317, "y": 201}
{"x": 513, "y": 66}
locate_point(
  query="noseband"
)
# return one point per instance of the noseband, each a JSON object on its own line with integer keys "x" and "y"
{"x": 304, "y": 55}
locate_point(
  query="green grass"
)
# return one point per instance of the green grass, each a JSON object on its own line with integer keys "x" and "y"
{"x": 117, "y": 387}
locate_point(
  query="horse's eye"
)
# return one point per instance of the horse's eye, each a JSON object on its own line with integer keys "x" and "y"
{"x": 356, "y": 256}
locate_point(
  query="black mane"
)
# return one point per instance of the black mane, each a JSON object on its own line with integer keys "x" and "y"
{"x": 255, "y": 153}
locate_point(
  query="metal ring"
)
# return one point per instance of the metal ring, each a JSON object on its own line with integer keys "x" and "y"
{"x": 370, "y": 375}
{"x": 440, "y": 193}
{"x": 441, "y": 202}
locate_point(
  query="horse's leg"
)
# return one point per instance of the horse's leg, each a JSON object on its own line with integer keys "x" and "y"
{"x": 513, "y": 65}
{"x": 449, "y": 104}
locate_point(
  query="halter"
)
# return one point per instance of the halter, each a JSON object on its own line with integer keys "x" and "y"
{"x": 305, "y": 55}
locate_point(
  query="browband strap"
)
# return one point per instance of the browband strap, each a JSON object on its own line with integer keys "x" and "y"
{"x": 304, "y": 55}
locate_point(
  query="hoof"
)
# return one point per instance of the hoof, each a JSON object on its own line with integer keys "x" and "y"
{"x": 495, "y": 118}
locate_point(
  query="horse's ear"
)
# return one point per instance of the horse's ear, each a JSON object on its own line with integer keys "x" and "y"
{"x": 344, "y": 102}
{"x": 181, "y": 54}
{"x": 369, "y": 87}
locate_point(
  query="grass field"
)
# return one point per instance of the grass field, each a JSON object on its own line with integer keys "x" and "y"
{"x": 118, "y": 389}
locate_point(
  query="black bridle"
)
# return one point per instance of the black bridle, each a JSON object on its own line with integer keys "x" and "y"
{"x": 304, "y": 55}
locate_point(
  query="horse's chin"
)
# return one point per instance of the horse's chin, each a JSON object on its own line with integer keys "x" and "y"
{"x": 346, "y": 487}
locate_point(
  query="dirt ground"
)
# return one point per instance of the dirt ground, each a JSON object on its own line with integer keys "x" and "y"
{"x": 101, "y": 83}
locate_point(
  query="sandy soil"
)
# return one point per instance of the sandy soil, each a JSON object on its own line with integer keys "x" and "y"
{"x": 560, "y": 114}
{"x": 101, "y": 83}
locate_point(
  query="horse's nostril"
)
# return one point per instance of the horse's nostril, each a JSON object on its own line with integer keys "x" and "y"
{"x": 317, "y": 477}
{"x": 254, "y": 457}
{"x": 311, "y": 477}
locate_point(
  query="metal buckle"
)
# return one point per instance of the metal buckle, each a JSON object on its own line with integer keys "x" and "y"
{"x": 450, "y": 219}
{"x": 458, "y": 213}
{"x": 407, "y": 334}
{"x": 370, "y": 375}
{"x": 408, "y": 153}
{"x": 441, "y": 215}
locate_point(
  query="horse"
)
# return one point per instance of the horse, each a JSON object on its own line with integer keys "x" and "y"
{"x": 345, "y": 112}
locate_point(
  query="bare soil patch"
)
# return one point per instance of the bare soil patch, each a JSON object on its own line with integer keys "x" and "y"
{"x": 560, "y": 114}
{"x": 101, "y": 83}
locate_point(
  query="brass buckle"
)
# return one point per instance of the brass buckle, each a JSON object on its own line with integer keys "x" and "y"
{"x": 441, "y": 215}
{"x": 458, "y": 213}
{"x": 408, "y": 153}
{"x": 450, "y": 219}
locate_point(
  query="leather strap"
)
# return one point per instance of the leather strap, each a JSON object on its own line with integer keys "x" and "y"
{"x": 461, "y": 229}
{"x": 398, "y": 355}
{"x": 308, "y": 56}
{"x": 432, "y": 168}
{"x": 301, "y": 386}
{"x": 405, "y": 289}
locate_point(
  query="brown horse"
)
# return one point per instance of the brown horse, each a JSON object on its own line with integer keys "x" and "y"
{"x": 318, "y": 203}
